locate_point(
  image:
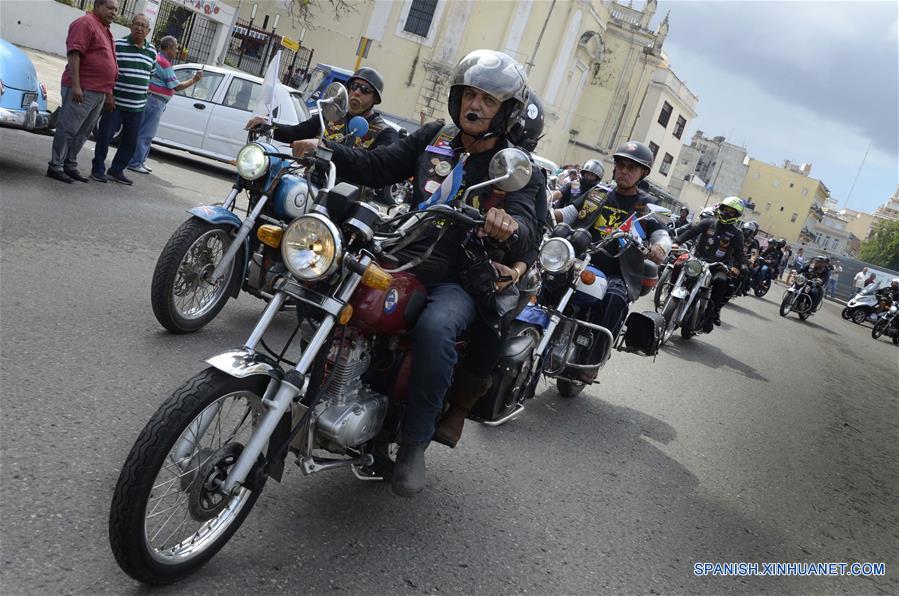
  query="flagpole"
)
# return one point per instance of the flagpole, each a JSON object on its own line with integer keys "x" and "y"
{"x": 861, "y": 165}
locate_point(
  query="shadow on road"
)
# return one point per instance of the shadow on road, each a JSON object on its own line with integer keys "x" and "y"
{"x": 709, "y": 355}
{"x": 810, "y": 323}
{"x": 194, "y": 162}
{"x": 747, "y": 311}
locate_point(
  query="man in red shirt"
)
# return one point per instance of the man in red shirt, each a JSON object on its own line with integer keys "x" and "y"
{"x": 87, "y": 85}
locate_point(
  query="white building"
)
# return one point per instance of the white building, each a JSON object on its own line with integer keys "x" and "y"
{"x": 890, "y": 208}
{"x": 667, "y": 110}
{"x": 831, "y": 234}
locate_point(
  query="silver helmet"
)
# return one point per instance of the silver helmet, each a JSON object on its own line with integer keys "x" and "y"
{"x": 496, "y": 74}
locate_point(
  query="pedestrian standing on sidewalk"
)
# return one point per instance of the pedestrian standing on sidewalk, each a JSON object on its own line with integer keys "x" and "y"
{"x": 858, "y": 282}
{"x": 163, "y": 84}
{"x": 135, "y": 57}
{"x": 835, "y": 270}
{"x": 86, "y": 87}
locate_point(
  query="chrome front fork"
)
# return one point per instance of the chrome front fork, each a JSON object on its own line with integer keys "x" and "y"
{"x": 238, "y": 239}
{"x": 292, "y": 386}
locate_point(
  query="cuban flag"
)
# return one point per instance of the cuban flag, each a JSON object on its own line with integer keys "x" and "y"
{"x": 448, "y": 189}
{"x": 632, "y": 226}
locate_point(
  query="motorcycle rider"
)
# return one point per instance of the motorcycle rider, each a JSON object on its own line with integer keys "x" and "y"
{"x": 366, "y": 89}
{"x": 751, "y": 249}
{"x": 890, "y": 293}
{"x": 817, "y": 268}
{"x": 768, "y": 261}
{"x": 589, "y": 176}
{"x": 525, "y": 135}
{"x": 602, "y": 212}
{"x": 488, "y": 91}
{"x": 682, "y": 218}
{"x": 719, "y": 241}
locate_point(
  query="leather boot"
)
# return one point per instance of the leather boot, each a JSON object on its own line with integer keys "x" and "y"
{"x": 463, "y": 394}
{"x": 409, "y": 471}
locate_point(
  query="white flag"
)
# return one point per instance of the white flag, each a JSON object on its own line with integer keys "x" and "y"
{"x": 267, "y": 101}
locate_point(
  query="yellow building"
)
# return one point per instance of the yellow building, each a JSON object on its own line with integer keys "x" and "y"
{"x": 591, "y": 62}
{"x": 860, "y": 223}
{"x": 788, "y": 203}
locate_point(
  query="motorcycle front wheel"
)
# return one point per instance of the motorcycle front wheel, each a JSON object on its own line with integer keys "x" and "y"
{"x": 880, "y": 328}
{"x": 762, "y": 289}
{"x": 167, "y": 518}
{"x": 845, "y": 313}
{"x": 690, "y": 319}
{"x": 670, "y": 313}
{"x": 786, "y": 305}
{"x": 663, "y": 289}
{"x": 183, "y": 300}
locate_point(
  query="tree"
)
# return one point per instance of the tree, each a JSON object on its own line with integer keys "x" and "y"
{"x": 305, "y": 12}
{"x": 882, "y": 248}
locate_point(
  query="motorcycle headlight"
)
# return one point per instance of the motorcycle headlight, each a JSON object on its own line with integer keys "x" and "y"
{"x": 252, "y": 162}
{"x": 693, "y": 267}
{"x": 894, "y": 309}
{"x": 311, "y": 247}
{"x": 800, "y": 280}
{"x": 556, "y": 255}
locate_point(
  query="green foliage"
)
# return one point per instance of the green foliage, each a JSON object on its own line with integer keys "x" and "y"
{"x": 882, "y": 248}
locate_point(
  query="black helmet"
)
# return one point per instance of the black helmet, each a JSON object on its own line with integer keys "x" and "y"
{"x": 595, "y": 167}
{"x": 373, "y": 78}
{"x": 750, "y": 228}
{"x": 527, "y": 131}
{"x": 636, "y": 151}
{"x": 496, "y": 74}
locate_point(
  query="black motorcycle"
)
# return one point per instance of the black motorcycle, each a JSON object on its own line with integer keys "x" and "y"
{"x": 888, "y": 324}
{"x": 798, "y": 297}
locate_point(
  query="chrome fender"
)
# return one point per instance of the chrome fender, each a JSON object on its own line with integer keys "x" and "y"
{"x": 243, "y": 363}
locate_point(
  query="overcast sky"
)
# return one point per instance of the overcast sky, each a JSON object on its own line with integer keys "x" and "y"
{"x": 806, "y": 81}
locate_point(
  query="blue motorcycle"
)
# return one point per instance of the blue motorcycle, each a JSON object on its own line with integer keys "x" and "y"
{"x": 218, "y": 252}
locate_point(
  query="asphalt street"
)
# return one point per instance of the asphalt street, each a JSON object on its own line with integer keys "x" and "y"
{"x": 770, "y": 440}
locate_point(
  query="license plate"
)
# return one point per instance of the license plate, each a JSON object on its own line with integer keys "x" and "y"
{"x": 28, "y": 98}
{"x": 583, "y": 340}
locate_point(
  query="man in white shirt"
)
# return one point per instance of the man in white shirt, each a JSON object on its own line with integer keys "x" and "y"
{"x": 858, "y": 282}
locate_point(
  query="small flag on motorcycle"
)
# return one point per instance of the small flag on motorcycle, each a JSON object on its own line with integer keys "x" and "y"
{"x": 267, "y": 103}
{"x": 633, "y": 228}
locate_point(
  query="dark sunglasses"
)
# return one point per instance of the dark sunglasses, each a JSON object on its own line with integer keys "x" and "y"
{"x": 361, "y": 88}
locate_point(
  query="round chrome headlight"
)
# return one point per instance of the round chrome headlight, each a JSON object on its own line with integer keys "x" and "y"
{"x": 252, "y": 162}
{"x": 894, "y": 309}
{"x": 693, "y": 267}
{"x": 800, "y": 280}
{"x": 311, "y": 247}
{"x": 556, "y": 255}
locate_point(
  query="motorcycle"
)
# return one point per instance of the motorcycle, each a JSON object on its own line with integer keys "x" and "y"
{"x": 689, "y": 304}
{"x": 888, "y": 324}
{"x": 760, "y": 278}
{"x": 864, "y": 306}
{"x": 215, "y": 254}
{"x": 201, "y": 462}
{"x": 668, "y": 276}
{"x": 798, "y": 297}
{"x": 552, "y": 338}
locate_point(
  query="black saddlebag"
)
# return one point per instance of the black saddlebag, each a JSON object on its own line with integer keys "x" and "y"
{"x": 644, "y": 333}
{"x": 509, "y": 379}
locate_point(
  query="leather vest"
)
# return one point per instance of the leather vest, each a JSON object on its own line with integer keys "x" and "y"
{"x": 335, "y": 130}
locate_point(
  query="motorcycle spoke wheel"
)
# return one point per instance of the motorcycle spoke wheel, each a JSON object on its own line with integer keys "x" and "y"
{"x": 167, "y": 516}
{"x": 183, "y": 298}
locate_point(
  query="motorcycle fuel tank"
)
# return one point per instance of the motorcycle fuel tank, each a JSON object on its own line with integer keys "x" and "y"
{"x": 392, "y": 311}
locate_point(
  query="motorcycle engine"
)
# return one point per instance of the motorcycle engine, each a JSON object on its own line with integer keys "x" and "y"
{"x": 353, "y": 414}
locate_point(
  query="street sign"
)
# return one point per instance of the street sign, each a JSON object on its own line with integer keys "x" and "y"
{"x": 290, "y": 44}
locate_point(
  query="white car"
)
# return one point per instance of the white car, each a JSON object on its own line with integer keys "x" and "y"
{"x": 208, "y": 118}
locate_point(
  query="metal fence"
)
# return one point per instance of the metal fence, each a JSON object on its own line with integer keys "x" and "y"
{"x": 250, "y": 49}
{"x": 127, "y": 8}
{"x": 195, "y": 33}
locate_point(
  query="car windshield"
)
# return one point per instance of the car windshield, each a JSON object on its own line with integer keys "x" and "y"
{"x": 871, "y": 287}
{"x": 300, "y": 106}
{"x": 313, "y": 83}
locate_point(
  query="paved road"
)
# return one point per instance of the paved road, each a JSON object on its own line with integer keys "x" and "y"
{"x": 769, "y": 440}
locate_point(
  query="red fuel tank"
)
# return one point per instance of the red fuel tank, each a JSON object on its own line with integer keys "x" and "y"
{"x": 392, "y": 311}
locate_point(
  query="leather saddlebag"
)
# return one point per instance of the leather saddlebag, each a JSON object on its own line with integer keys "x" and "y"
{"x": 644, "y": 332}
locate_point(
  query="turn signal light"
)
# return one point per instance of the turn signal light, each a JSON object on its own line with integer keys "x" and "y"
{"x": 375, "y": 277}
{"x": 346, "y": 313}
{"x": 588, "y": 277}
{"x": 270, "y": 235}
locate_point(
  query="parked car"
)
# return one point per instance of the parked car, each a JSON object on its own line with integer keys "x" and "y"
{"x": 23, "y": 98}
{"x": 319, "y": 79}
{"x": 208, "y": 118}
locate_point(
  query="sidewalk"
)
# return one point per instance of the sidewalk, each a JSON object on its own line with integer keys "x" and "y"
{"x": 49, "y": 69}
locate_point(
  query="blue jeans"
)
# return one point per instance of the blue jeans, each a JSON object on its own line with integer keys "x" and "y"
{"x": 109, "y": 124}
{"x": 450, "y": 310}
{"x": 762, "y": 273}
{"x": 832, "y": 284}
{"x": 152, "y": 115}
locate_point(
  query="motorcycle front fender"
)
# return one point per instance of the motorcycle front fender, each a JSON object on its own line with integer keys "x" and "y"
{"x": 680, "y": 293}
{"x": 244, "y": 363}
{"x": 216, "y": 214}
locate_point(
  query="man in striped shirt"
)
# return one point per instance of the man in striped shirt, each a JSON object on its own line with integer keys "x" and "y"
{"x": 135, "y": 57}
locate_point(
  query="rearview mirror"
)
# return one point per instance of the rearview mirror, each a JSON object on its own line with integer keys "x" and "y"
{"x": 335, "y": 102}
{"x": 512, "y": 168}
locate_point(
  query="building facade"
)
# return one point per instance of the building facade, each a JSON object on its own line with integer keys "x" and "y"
{"x": 788, "y": 204}
{"x": 858, "y": 223}
{"x": 831, "y": 235}
{"x": 890, "y": 208}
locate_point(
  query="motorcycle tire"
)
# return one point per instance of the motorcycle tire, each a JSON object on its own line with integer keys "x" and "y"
{"x": 663, "y": 290}
{"x": 760, "y": 291}
{"x": 173, "y": 275}
{"x": 569, "y": 389}
{"x": 845, "y": 313}
{"x": 786, "y": 305}
{"x": 804, "y": 316}
{"x": 858, "y": 316}
{"x": 880, "y": 328}
{"x": 173, "y": 440}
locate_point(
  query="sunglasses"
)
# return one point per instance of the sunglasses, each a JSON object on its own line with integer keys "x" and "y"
{"x": 361, "y": 88}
